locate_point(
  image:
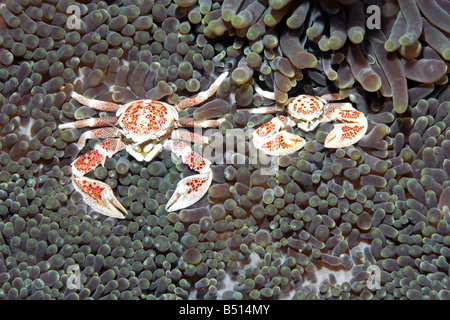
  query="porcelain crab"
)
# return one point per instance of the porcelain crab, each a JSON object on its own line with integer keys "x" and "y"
{"x": 143, "y": 128}
{"x": 307, "y": 112}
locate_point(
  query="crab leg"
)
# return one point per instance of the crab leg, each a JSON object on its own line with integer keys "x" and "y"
{"x": 348, "y": 133}
{"x": 201, "y": 96}
{"x": 188, "y": 136}
{"x": 97, "y": 133}
{"x": 190, "y": 122}
{"x": 91, "y": 122}
{"x": 190, "y": 189}
{"x": 332, "y": 97}
{"x": 265, "y": 94}
{"x": 98, "y": 195}
{"x": 269, "y": 139}
{"x": 95, "y": 104}
{"x": 261, "y": 110}
{"x": 341, "y": 111}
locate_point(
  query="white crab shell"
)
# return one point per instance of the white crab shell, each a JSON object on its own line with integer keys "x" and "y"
{"x": 146, "y": 120}
{"x": 145, "y": 123}
{"x": 306, "y": 111}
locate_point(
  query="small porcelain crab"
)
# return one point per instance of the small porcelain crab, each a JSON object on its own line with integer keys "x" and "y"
{"x": 143, "y": 128}
{"x": 307, "y": 112}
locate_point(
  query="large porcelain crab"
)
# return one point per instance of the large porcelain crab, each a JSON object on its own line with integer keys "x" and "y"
{"x": 307, "y": 112}
{"x": 143, "y": 128}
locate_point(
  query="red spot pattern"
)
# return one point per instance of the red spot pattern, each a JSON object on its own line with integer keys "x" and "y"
{"x": 97, "y": 133}
{"x": 107, "y": 144}
{"x": 106, "y": 106}
{"x": 143, "y": 117}
{"x": 103, "y": 122}
{"x": 88, "y": 161}
{"x": 306, "y": 105}
{"x": 349, "y": 114}
{"x": 195, "y": 183}
{"x": 350, "y": 132}
{"x": 283, "y": 119}
{"x": 178, "y": 145}
{"x": 188, "y": 102}
{"x": 111, "y": 145}
{"x": 194, "y": 161}
{"x": 277, "y": 143}
{"x": 329, "y": 111}
{"x": 265, "y": 129}
{"x": 194, "y": 137}
{"x": 91, "y": 188}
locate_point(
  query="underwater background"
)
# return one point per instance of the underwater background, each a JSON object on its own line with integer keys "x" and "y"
{"x": 314, "y": 229}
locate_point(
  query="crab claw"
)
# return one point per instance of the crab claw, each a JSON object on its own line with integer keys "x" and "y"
{"x": 99, "y": 196}
{"x": 345, "y": 134}
{"x": 189, "y": 190}
{"x": 269, "y": 139}
{"x": 281, "y": 143}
